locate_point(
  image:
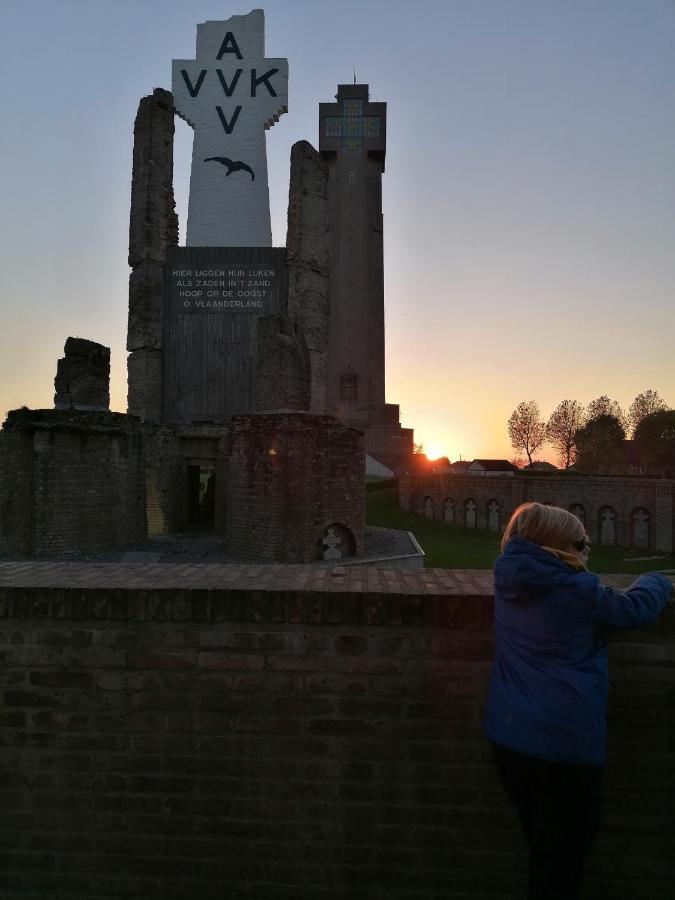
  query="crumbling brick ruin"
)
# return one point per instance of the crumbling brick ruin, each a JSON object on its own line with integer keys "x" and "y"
{"x": 72, "y": 479}
{"x": 83, "y": 376}
{"x": 291, "y": 361}
{"x": 292, "y": 478}
{"x": 72, "y": 482}
{"x": 308, "y": 261}
{"x": 287, "y": 482}
{"x": 292, "y": 349}
{"x": 153, "y": 227}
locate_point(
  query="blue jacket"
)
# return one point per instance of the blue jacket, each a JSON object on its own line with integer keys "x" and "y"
{"x": 549, "y": 684}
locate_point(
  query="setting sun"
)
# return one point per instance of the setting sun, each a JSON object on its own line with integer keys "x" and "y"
{"x": 434, "y": 450}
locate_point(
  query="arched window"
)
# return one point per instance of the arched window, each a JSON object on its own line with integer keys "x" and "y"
{"x": 449, "y": 511}
{"x": 349, "y": 387}
{"x": 607, "y": 529}
{"x": 428, "y": 507}
{"x": 493, "y": 514}
{"x": 577, "y": 510}
{"x": 470, "y": 513}
{"x": 639, "y": 526}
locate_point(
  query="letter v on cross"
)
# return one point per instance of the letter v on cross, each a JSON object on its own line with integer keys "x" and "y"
{"x": 229, "y": 94}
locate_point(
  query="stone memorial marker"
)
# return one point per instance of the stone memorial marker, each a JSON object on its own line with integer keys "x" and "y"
{"x": 228, "y": 275}
{"x": 229, "y": 95}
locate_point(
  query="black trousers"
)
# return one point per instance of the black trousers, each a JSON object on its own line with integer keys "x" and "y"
{"x": 559, "y": 806}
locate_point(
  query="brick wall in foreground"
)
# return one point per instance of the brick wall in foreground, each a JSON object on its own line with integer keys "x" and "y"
{"x": 289, "y": 733}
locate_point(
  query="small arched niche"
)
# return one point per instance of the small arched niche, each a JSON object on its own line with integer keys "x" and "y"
{"x": 336, "y": 542}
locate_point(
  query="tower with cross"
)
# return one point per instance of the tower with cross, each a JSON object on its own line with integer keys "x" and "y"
{"x": 229, "y": 95}
{"x": 352, "y": 139}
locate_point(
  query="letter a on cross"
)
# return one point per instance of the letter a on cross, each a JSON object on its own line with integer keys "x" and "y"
{"x": 229, "y": 95}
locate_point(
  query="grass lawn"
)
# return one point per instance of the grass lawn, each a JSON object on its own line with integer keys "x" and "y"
{"x": 452, "y": 547}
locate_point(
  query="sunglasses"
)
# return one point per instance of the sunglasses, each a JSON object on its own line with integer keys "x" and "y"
{"x": 584, "y": 545}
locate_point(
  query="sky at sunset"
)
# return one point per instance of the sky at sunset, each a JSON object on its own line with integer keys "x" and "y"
{"x": 529, "y": 192}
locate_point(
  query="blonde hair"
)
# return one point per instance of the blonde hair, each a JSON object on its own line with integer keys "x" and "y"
{"x": 549, "y": 526}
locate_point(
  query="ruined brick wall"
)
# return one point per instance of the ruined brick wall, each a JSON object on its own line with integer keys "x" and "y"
{"x": 72, "y": 482}
{"x": 623, "y": 495}
{"x": 83, "y": 376}
{"x": 290, "y": 476}
{"x": 16, "y": 491}
{"x": 283, "y": 370}
{"x": 165, "y": 481}
{"x": 153, "y": 227}
{"x": 308, "y": 262}
{"x": 280, "y": 736}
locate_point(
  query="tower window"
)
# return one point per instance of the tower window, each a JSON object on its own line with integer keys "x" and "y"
{"x": 348, "y": 387}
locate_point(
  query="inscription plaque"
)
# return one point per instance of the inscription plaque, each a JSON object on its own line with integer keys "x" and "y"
{"x": 213, "y": 299}
{"x": 225, "y": 280}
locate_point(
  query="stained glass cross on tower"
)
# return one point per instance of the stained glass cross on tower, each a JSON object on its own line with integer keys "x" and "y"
{"x": 352, "y": 126}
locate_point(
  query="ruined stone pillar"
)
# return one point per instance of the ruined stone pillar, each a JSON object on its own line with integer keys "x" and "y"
{"x": 83, "y": 376}
{"x": 308, "y": 261}
{"x": 282, "y": 365}
{"x": 153, "y": 227}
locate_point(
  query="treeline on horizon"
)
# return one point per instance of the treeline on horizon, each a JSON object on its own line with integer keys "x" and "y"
{"x": 592, "y": 438}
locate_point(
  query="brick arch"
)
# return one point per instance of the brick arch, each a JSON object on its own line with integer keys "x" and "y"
{"x": 470, "y": 513}
{"x": 429, "y": 507}
{"x": 493, "y": 514}
{"x": 640, "y": 520}
{"x": 448, "y": 511}
{"x": 579, "y": 511}
{"x": 335, "y": 538}
{"x": 607, "y": 526}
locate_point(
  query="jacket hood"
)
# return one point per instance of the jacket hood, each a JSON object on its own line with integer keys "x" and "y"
{"x": 525, "y": 569}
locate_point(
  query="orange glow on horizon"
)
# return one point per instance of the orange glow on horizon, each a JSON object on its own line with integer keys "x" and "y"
{"x": 434, "y": 450}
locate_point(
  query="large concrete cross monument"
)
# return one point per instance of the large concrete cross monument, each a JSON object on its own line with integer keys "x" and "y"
{"x": 229, "y": 95}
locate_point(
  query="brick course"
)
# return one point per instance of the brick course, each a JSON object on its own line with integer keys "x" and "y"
{"x": 283, "y": 732}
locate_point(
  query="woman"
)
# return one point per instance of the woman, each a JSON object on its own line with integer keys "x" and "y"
{"x": 547, "y": 704}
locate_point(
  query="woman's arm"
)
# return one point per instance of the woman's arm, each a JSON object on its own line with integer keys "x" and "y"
{"x": 641, "y": 604}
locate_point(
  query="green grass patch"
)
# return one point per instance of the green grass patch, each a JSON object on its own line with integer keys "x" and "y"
{"x": 453, "y": 547}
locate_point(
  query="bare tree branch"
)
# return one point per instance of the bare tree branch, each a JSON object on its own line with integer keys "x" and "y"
{"x": 526, "y": 430}
{"x": 561, "y": 427}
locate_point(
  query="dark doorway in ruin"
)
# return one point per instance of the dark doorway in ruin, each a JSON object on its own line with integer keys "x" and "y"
{"x": 201, "y": 486}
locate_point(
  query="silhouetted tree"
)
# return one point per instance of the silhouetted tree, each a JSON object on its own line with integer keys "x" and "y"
{"x": 566, "y": 419}
{"x": 526, "y": 430}
{"x": 655, "y": 436}
{"x": 603, "y": 406}
{"x": 599, "y": 443}
{"x": 645, "y": 404}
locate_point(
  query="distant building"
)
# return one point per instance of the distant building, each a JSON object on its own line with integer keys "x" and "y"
{"x": 539, "y": 465}
{"x": 491, "y": 467}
